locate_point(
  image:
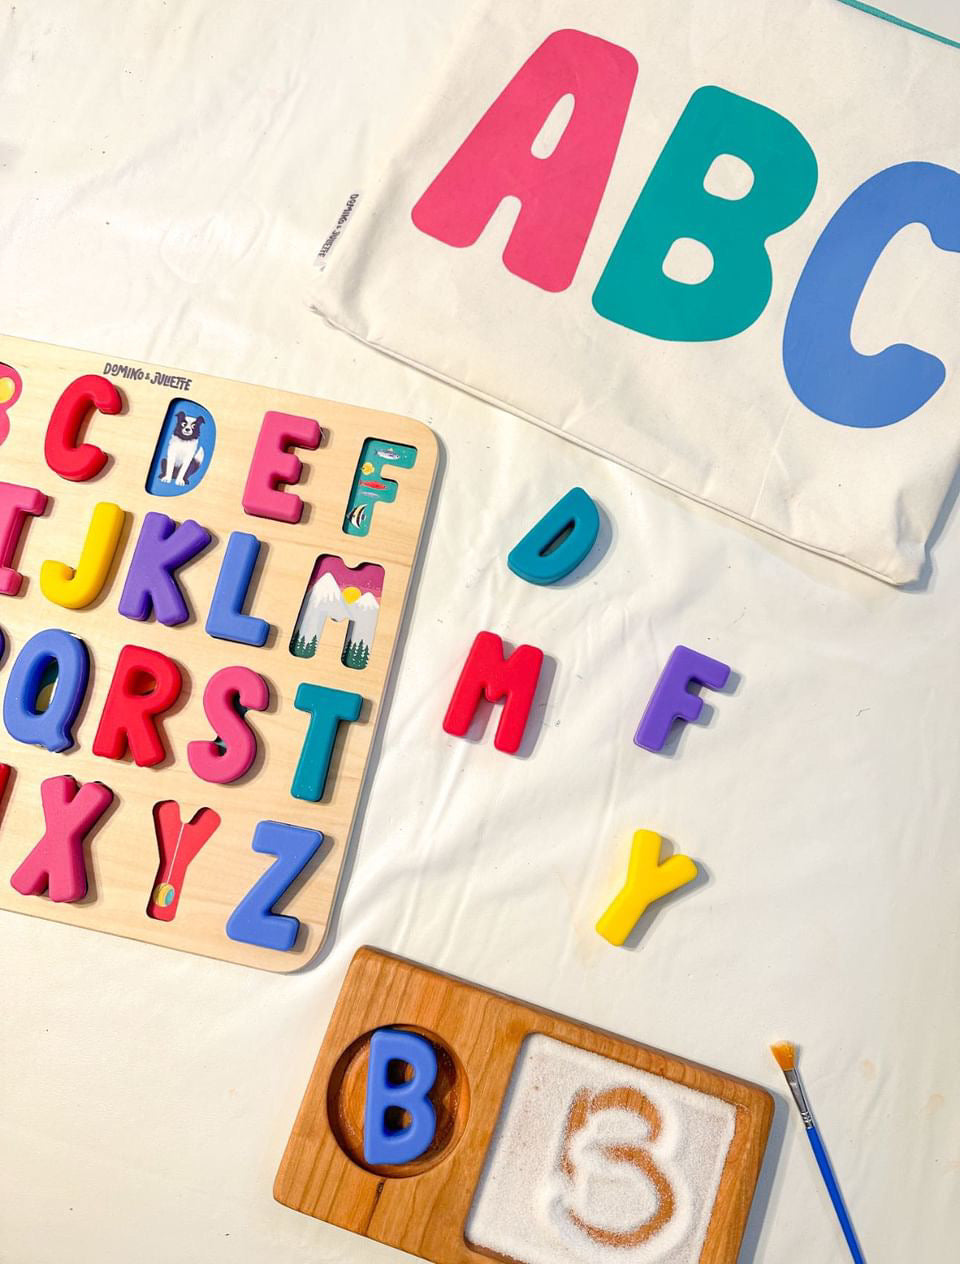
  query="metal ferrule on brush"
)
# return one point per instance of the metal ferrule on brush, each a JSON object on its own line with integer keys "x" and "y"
{"x": 800, "y": 1097}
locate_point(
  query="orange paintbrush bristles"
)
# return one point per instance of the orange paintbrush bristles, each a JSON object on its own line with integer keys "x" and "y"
{"x": 785, "y": 1054}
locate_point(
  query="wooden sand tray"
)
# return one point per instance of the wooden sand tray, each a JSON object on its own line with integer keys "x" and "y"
{"x": 519, "y": 1098}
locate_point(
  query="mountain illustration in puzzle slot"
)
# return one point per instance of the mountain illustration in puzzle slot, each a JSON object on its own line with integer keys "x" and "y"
{"x": 341, "y": 593}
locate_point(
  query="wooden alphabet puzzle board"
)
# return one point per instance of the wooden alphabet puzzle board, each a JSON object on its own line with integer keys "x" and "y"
{"x": 169, "y": 499}
{"x": 553, "y": 1141}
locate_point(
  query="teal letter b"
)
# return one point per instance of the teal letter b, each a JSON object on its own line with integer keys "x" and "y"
{"x": 634, "y": 290}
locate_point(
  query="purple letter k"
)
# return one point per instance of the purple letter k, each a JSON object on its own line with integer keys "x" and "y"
{"x": 161, "y": 548}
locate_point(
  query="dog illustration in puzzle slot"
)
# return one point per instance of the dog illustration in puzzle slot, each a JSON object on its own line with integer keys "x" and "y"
{"x": 184, "y": 455}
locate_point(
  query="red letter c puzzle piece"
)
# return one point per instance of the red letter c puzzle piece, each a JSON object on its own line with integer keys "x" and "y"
{"x": 66, "y": 457}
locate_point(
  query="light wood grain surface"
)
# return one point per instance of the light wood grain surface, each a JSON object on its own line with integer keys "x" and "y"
{"x": 122, "y": 852}
{"x": 425, "y": 1212}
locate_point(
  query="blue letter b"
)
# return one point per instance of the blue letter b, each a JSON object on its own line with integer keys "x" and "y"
{"x": 382, "y": 1143}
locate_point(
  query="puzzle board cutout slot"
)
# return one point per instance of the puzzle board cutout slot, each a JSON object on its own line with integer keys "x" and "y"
{"x": 184, "y": 449}
{"x": 340, "y": 593}
{"x": 48, "y": 682}
{"x": 178, "y": 842}
{"x": 346, "y": 1102}
{"x": 371, "y": 487}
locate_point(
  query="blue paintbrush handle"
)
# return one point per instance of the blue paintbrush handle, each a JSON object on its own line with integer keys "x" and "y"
{"x": 823, "y": 1163}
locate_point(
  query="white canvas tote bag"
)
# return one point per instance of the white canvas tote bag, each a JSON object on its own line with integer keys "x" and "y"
{"x": 716, "y": 242}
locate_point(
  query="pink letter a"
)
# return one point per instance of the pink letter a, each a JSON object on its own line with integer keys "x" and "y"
{"x": 559, "y": 194}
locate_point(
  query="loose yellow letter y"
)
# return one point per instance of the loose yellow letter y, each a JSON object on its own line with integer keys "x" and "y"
{"x": 647, "y": 880}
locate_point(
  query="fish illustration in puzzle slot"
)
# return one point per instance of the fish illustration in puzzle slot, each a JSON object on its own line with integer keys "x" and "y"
{"x": 610, "y": 1140}
{"x": 184, "y": 455}
{"x": 372, "y": 485}
{"x": 357, "y": 516}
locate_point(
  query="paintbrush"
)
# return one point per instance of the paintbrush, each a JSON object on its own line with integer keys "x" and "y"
{"x": 786, "y": 1055}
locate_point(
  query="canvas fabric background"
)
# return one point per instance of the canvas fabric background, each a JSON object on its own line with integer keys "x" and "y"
{"x": 168, "y": 176}
{"x": 716, "y": 420}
